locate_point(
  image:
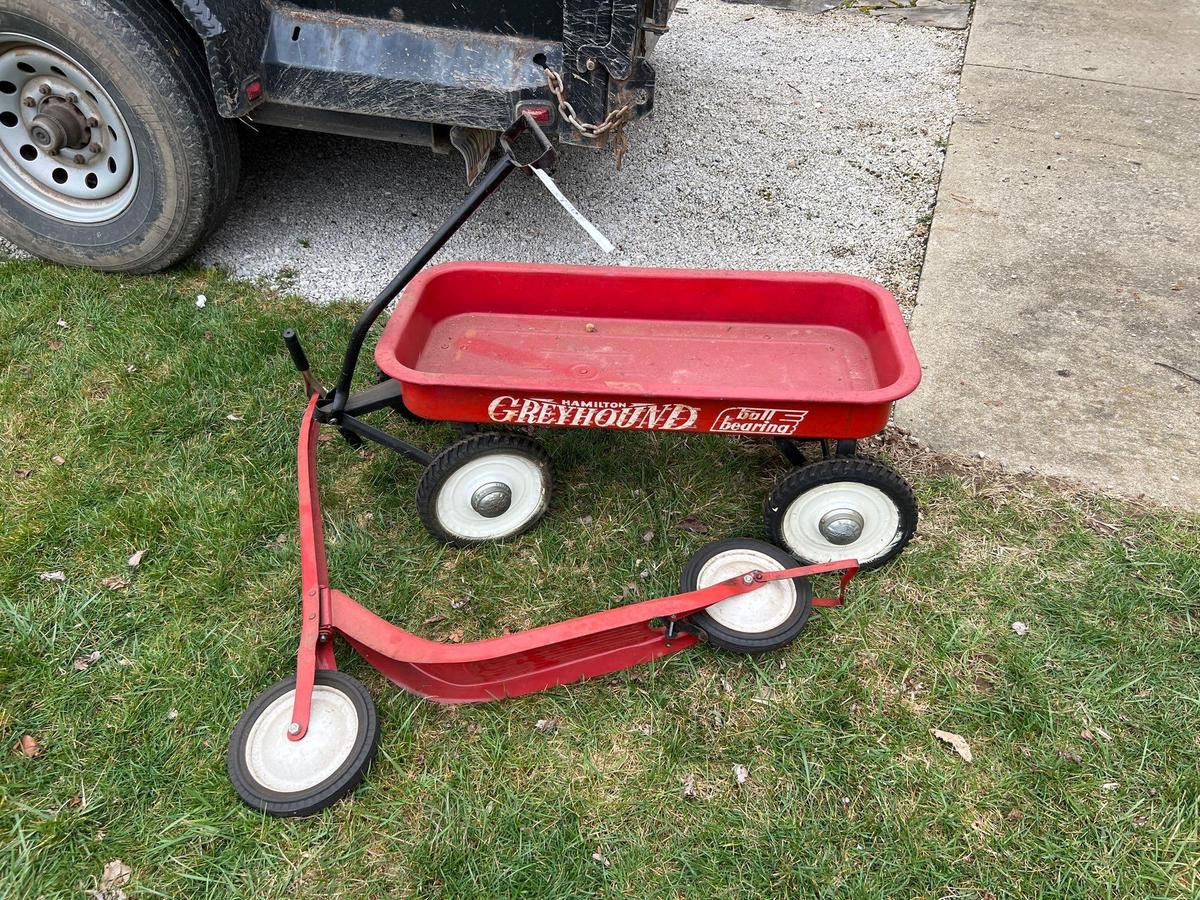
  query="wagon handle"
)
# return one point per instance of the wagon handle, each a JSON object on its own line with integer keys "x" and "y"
{"x": 333, "y": 408}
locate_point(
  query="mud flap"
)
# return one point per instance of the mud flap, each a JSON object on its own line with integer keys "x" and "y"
{"x": 475, "y": 145}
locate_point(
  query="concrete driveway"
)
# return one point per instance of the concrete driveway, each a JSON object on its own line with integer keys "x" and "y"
{"x": 1059, "y": 314}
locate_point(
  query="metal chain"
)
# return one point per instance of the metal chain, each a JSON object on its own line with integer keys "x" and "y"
{"x": 616, "y": 119}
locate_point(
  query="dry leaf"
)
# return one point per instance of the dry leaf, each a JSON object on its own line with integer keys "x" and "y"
{"x": 234, "y": 417}
{"x": 459, "y": 603}
{"x": 57, "y": 575}
{"x": 585, "y": 520}
{"x": 1020, "y": 628}
{"x": 740, "y": 774}
{"x": 546, "y": 726}
{"x": 455, "y": 636}
{"x": 55, "y": 345}
{"x": 115, "y": 583}
{"x": 23, "y": 473}
{"x": 601, "y": 858}
{"x": 136, "y": 559}
{"x": 112, "y": 880}
{"x": 648, "y": 536}
{"x": 82, "y": 662}
{"x": 1110, "y": 785}
{"x": 689, "y": 788}
{"x": 28, "y": 746}
{"x": 58, "y": 460}
{"x": 172, "y": 714}
{"x": 961, "y": 747}
{"x": 1087, "y": 736}
{"x": 692, "y": 524}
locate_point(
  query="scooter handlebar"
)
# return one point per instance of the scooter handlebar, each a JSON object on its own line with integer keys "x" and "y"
{"x": 299, "y": 359}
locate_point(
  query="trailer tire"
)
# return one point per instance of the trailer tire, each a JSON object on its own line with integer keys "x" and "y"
{"x": 134, "y": 172}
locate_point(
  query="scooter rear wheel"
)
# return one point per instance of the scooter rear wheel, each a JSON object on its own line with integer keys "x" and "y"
{"x": 298, "y": 778}
{"x": 763, "y": 619}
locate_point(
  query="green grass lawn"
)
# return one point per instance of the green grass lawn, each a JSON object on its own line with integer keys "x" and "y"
{"x": 176, "y": 430}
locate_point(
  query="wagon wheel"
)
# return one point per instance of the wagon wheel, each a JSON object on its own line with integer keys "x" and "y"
{"x": 763, "y": 619}
{"x": 282, "y": 777}
{"x": 486, "y": 487}
{"x": 842, "y": 509}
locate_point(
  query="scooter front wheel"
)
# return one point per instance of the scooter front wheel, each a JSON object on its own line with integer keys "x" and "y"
{"x": 282, "y": 777}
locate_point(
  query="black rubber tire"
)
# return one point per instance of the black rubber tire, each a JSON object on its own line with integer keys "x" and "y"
{"x": 866, "y": 471}
{"x": 741, "y": 641}
{"x": 337, "y": 785}
{"x": 153, "y": 67}
{"x": 469, "y": 448}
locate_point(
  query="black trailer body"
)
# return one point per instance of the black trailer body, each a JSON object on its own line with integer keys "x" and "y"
{"x": 361, "y": 66}
{"x": 118, "y": 138}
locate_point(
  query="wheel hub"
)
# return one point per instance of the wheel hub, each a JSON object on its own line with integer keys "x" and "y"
{"x": 59, "y": 124}
{"x": 65, "y": 148}
{"x": 841, "y": 526}
{"x": 492, "y": 499}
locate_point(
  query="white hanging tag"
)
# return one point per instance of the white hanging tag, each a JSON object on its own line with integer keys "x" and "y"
{"x": 593, "y": 232}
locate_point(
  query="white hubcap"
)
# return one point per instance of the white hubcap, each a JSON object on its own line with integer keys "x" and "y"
{"x": 862, "y": 521}
{"x": 468, "y": 505}
{"x": 290, "y": 767}
{"x": 759, "y": 611}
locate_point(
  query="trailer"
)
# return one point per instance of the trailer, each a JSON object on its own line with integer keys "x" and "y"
{"x": 119, "y": 118}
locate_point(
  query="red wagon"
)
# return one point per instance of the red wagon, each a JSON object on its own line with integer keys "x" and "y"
{"x": 790, "y": 357}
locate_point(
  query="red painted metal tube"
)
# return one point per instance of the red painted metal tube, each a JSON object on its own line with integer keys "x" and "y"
{"x": 507, "y": 666}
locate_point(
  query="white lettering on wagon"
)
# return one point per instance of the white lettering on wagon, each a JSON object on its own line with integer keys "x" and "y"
{"x": 758, "y": 420}
{"x": 592, "y": 413}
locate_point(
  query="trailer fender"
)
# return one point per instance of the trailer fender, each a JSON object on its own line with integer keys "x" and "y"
{"x": 233, "y": 33}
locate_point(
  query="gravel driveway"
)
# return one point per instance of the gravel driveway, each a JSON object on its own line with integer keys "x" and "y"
{"x": 779, "y": 141}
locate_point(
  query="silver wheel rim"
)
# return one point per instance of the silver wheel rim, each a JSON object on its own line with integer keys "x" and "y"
{"x": 291, "y": 767}
{"x": 808, "y": 519}
{"x": 520, "y": 480}
{"x": 92, "y": 174}
{"x": 757, "y": 612}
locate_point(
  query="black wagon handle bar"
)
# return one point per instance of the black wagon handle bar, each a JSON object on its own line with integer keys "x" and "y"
{"x": 542, "y": 156}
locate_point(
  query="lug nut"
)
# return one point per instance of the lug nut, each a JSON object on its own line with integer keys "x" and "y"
{"x": 80, "y": 158}
{"x": 94, "y": 148}
{"x": 92, "y": 122}
{"x": 29, "y": 101}
{"x": 43, "y": 89}
{"x": 72, "y": 97}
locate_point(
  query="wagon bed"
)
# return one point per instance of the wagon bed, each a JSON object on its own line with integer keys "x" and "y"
{"x": 771, "y": 353}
